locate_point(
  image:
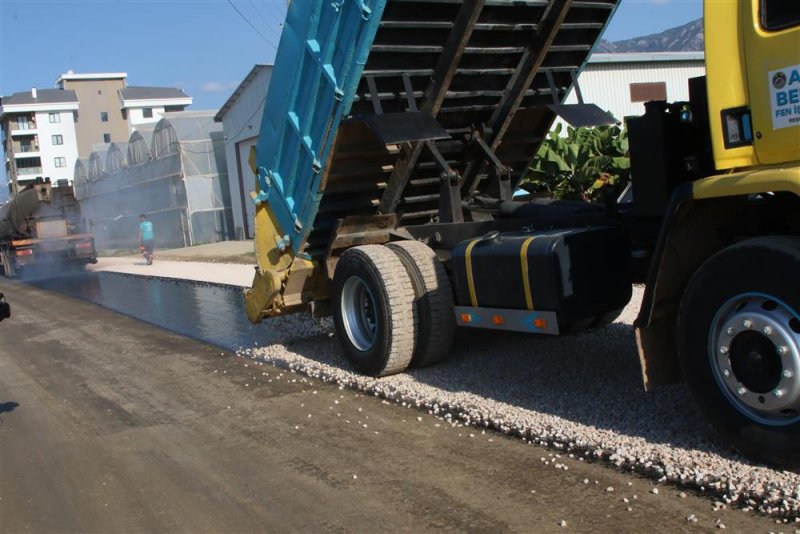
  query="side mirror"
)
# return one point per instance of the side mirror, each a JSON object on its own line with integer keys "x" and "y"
{"x": 5, "y": 308}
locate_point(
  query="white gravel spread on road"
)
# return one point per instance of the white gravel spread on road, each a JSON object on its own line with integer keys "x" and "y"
{"x": 581, "y": 395}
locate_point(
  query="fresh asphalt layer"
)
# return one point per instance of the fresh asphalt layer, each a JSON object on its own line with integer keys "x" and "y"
{"x": 113, "y": 425}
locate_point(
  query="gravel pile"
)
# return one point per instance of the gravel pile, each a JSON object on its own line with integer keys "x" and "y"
{"x": 581, "y": 395}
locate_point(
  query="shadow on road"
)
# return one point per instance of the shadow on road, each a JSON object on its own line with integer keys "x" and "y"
{"x": 8, "y": 406}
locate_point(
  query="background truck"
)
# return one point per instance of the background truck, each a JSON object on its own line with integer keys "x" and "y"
{"x": 396, "y": 131}
{"x": 40, "y": 227}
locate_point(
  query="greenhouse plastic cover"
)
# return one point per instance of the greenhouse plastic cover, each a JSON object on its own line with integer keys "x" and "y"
{"x": 182, "y": 184}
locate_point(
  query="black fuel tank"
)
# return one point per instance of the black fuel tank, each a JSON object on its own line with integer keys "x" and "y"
{"x": 581, "y": 273}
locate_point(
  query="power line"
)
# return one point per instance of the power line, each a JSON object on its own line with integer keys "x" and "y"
{"x": 252, "y": 25}
{"x": 257, "y": 11}
{"x": 276, "y": 26}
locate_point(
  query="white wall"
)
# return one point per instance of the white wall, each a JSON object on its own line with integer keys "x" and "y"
{"x": 248, "y": 180}
{"x": 241, "y": 124}
{"x": 48, "y": 152}
{"x": 608, "y": 84}
{"x": 136, "y": 116}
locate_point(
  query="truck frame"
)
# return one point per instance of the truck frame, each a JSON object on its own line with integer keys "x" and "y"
{"x": 395, "y": 132}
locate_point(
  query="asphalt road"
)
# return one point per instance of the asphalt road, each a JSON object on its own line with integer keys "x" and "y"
{"x": 108, "y": 424}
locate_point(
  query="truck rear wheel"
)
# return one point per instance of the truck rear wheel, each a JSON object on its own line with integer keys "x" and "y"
{"x": 373, "y": 310}
{"x": 5, "y": 263}
{"x": 739, "y": 346}
{"x": 433, "y": 301}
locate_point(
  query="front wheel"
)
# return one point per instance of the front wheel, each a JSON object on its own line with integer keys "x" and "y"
{"x": 373, "y": 310}
{"x": 739, "y": 346}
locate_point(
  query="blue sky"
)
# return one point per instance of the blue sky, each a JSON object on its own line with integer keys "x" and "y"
{"x": 205, "y": 47}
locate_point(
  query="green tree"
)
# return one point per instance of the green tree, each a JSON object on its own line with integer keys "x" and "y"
{"x": 581, "y": 165}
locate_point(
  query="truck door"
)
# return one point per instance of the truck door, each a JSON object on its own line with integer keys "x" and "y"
{"x": 771, "y": 33}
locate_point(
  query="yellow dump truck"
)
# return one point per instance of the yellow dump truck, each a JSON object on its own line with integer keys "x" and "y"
{"x": 395, "y": 132}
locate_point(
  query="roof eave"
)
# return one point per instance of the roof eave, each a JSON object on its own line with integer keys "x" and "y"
{"x": 239, "y": 90}
{"x": 38, "y": 106}
{"x": 151, "y": 102}
{"x": 646, "y": 57}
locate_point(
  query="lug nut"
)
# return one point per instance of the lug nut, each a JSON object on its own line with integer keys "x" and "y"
{"x": 783, "y": 350}
{"x": 747, "y": 323}
{"x": 723, "y": 350}
{"x": 742, "y": 390}
{"x": 726, "y": 373}
{"x": 730, "y": 330}
{"x": 787, "y": 373}
{"x": 778, "y": 393}
{"x": 767, "y": 330}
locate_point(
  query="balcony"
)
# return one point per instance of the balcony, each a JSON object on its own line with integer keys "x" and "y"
{"x": 29, "y": 170}
{"x": 25, "y": 150}
{"x": 23, "y": 129}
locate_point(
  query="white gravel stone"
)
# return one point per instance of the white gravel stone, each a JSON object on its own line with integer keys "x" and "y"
{"x": 577, "y": 394}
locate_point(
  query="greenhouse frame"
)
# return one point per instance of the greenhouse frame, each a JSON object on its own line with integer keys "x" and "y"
{"x": 173, "y": 171}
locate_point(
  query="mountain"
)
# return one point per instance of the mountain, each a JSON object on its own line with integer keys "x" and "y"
{"x": 686, "y": 38}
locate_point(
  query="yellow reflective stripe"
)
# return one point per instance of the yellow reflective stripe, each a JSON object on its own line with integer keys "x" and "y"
{"x": 473, "y": 298}
{"x": 526, "y": 280}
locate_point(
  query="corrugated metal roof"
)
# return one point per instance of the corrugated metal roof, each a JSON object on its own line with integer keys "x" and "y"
{"x": 646, "y": 57}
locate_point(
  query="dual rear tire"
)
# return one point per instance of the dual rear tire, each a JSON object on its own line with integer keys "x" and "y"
{"x": 392, "y": 307}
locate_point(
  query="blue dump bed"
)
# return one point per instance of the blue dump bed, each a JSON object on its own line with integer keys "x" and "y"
{"x": 371, "y": 99}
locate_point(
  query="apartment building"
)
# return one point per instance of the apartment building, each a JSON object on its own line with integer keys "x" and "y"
{"x": 99, "y": 119}
{"x": 39, "y": 136}
{"x": 110, "y": 109}
{"x": 45, "y": 131}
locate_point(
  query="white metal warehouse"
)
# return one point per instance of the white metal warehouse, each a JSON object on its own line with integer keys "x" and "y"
{"x": 622, "y": 83}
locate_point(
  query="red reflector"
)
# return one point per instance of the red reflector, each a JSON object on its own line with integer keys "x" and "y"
{"x": 25, "y": 252}
{"x": 466, "y": 318}
{"x": 498, "y": 320}
{"x": 85, "y": 244}
{"x": 540, "y": 323}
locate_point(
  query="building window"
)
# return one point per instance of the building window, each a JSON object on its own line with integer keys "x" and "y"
{"x": 645, "y": 92}
{"x": 147, "y": 113}
{"x": 27, "y": 145}
{"x": 60, "y": 162}
{"x": 58, "y": 140}
{"x": 104, "y": 116}
{"x": 106, "y": 138}
{"x": 22, "y": 122}
{"x": 54, "y": 117}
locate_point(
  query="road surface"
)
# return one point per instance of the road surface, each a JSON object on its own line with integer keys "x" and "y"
{"x": 109, "y": 424}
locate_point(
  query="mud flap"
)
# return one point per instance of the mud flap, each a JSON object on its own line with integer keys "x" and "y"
{"x": 259, "y": 298}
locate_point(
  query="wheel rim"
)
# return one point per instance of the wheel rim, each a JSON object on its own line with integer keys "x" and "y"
{"x": 359, "y": 313}
{"x": 754, "y": 352}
